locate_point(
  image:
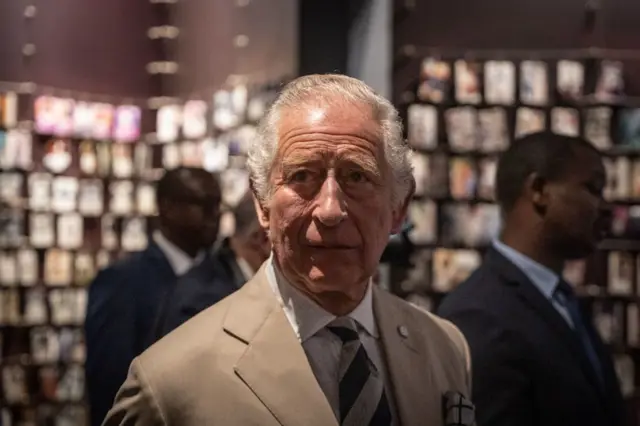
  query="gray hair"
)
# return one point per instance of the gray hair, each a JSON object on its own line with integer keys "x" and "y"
{"x": 330, "y": 88}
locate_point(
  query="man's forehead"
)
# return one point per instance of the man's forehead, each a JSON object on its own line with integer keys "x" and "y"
{"x": 339, "y": 116}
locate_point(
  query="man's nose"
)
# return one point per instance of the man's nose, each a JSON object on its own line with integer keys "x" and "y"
{"x": 330, "y": 210}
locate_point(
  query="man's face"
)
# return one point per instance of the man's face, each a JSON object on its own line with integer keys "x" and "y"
{"x": 577, "y": 216}
{"x": 196, "y": 212}
{"x": 330, "y": 213}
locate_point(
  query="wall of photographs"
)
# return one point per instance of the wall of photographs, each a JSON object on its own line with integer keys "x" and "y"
{"x": 462, "y": 114}
{"x": 77, "y": 192}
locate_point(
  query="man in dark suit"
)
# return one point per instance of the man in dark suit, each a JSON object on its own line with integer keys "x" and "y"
{"x": 537, "y": 359}
{"x": 241, "y": 254}
{"x": 220, "y": 274}
{"x": 124, "y": 298}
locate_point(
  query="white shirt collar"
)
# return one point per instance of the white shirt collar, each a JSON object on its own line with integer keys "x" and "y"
{"x": 180, "y": 261}
{"x": 307, "y": 317}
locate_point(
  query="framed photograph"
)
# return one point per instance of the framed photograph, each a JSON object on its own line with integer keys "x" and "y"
{"x": 468, "y": 78}
{"x": 121, "y": 201}
{"x": 570, "y": 80}
{"x": 529, "y": 120}
{"x": 134, "y": 234}
{"x": 422, "y": 126}
{"x": 610, "y": 83}
{"x": 462, "y": 128}
{"x": 84, "y": 119}
{"x": 470, "y": 225}
{"x": 58, "y": 267}
{"x": 103, "y": 121}
{"x": 534, "y": 85}
{"x": 14, "y": 384}
{"x": 629, "y": 128}
{"x": 487, "y": 181}
{"x": 168, "y": 123}
{"x": 109, "y": 233}
{"x": 88, "y": 158}
{"x": 420, "y": 163}
{"x": 91, "y": 198}
{"x": 574, "y": 272}
{"x": 121, "y": 160}
{"x": 27, "y": 267}
{"x": 452, "y": 267}
{"x": 598, "y": 127}
{"x": 16, "y": 149}
{"x": 171, "y": 156}
{"x": 438, "y": 183}
{"x": 565, "y": 121}
{"x": 463, "y": 178}
{"x": 493, "y": 131}
{"x": 126, "y": 127}
{"x": 43, "y": 112}
{"x": 418, "y": 277}
{"x": 8, "y": 269}
{"x": 499, "y": 82}
{"x": 57, "y": 156}
{"x": 9, "y": 109}
{"x": 42, "y": 230}
{"x": 423, "y": 217}
{"x": 146, "y": 199}
{"x": 622, "y": 269}
{"x": 70, "y": 231}
{"x": 435, "y": 84}
{"x": 64, "y": 194}
{"x": 35, "y": 310}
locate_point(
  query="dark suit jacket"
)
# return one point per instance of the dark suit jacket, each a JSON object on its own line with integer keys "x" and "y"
{"x": 203, "y": 286}
{"x": 122, "y": 307}
{"x": 227, "y": 260}
{"x": 528, "y": 365}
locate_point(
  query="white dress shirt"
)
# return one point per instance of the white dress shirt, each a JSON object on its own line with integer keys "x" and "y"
{"x": 180, "y": 261}
{"x": 323, "y": 348}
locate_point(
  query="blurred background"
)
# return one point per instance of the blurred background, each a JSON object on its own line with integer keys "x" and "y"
{"x": 98, "y": 98}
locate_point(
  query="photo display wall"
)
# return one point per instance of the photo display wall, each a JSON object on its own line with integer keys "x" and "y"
{"x": 77, "y": 191}
{"x": 463, "y": 114}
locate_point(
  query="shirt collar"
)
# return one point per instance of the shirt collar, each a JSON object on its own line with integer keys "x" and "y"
{"x": 307, "y": 317}
{"x": 180, "y": 261}
{"x": 542, "y": 277}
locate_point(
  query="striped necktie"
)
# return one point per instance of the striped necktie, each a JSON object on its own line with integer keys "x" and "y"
{"x": 361, "y": 390}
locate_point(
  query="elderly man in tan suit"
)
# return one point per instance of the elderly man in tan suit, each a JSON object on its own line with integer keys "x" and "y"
{"x": 310, "y": 341}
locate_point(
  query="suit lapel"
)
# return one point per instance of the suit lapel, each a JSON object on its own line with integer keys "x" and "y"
{"x": 407, "y": 363}
{"x": 543, "y": 308}
{"x": 274, "y": 365}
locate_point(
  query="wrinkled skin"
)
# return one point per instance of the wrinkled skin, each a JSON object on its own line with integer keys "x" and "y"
{"x": 330, "y": 214}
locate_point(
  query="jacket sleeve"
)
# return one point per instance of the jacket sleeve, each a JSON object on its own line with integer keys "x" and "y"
{"x": 501, "y": 389}
{"x": 135, "y": 403}
{"x": 110, "y": 338}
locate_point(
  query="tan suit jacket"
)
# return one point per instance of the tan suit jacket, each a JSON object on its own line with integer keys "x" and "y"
{"x": 240, "y": 363}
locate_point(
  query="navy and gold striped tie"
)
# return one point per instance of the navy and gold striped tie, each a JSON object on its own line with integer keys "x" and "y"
{"x": 361, "y": 391}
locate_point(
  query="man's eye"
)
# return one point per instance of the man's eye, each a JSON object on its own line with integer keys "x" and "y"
{"x": 356, "y": 176}
{"x": 299, "y": 176}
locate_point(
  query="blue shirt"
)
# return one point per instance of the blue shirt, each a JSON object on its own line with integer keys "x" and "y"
{"x": 543, "y": 278}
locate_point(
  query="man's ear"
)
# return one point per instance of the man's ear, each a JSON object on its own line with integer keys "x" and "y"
{"x": 400, "y": 213}
{"x": 538, "y": 189}
{"x": 262, "y": 213}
